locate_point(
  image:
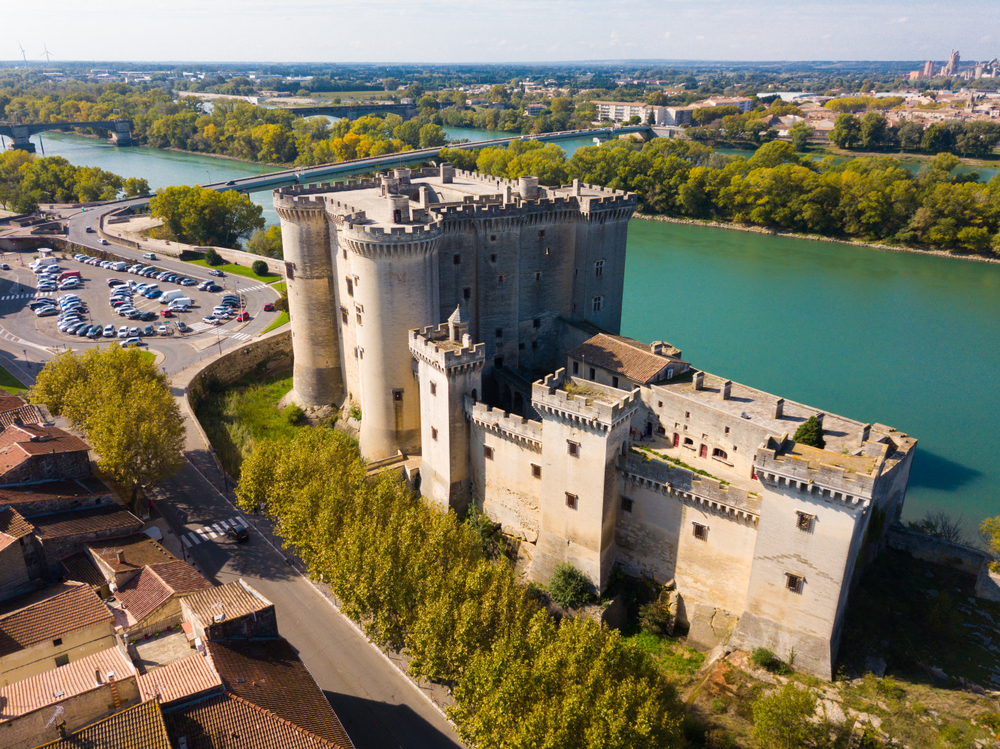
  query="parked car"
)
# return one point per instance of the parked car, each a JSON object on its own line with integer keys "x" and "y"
{"x": 181, "y": 326}
{"x": 45, "y": 311}
{"x": 133, "y": 341}
{"x": 43, "y": 302}
{"x": 147, "y": 316}
{"x": 148, "y": 330}
{"x": 166, "y": 313}
{"x": 109, "y": 331}
{"x": 4, "y": 266}
{"x": 96, "y": 331}
{"x": 209, "y": 319}
{"x": 164, "y": 330}
{"x": 213, "y": 288}
{"x": 123, "y": 332}
{"x": 113, "y": 282}
{"x": 187, "y": 282}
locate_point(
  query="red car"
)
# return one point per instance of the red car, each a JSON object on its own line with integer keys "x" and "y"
{"x": 243, "y": 317}
{"x": 269, "y": 307}
{"x": 166, "y": 313}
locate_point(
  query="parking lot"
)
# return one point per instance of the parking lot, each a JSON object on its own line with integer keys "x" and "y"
{"x": 18, "y": 287}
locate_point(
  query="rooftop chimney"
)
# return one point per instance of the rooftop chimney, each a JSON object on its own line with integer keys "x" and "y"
{"x": 528, "y": 187}
{"x": 727, "y": 388}
{"x": 779, "y": 408}
{"x": 447, "y": 173}
{"x": 698, "y": 380}
{"x": 120, "y": 556}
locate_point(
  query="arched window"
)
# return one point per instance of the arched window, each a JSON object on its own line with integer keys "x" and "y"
{"x": 719, "y": 453}
{"x": 688, "y": 441}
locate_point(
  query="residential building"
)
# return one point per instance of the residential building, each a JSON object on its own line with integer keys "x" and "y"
{"x": 36, "y": 453}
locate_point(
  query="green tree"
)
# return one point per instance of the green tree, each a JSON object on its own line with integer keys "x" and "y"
{"x": 266, "y": 242}
{"x": 783, "y": 719}
{"x": 874, "y": 131}
{"x": 704, "y": 115}
{"x": 134, "y": 187}
{"x": 846, "y": 131}
{"x": 259, "y": 267}
{"x": 390, "y": 84}
{"x": 569, "y": 587}
{"x": 990, "y": 530}
{"x": 195, "y": 215}
{"x": 800, "y": 134}
{"x": 910, "y": 135}
{"x": 431, "y": 135}
{"x": 124, "y": 407}
{"x": 810, "y": 432}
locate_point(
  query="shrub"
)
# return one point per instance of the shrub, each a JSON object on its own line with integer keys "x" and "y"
{"x": 355, "y": 412}
{"x": 293, "y": 414}
{"x": 718, "y": 705}
{"x": 569, "y": 587}
{"x": 655, "y": 617}
{"x": 810, "y": 432}
{"x": 259, "y": 267}
{"x": 762, "y": 658}
{"x": 212, "y": 257}
{"x": 781, "y": 720}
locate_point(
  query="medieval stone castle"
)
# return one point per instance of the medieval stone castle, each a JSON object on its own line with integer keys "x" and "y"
{"x": 474, "y": 323}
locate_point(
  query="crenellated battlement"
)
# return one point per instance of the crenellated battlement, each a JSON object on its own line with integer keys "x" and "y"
{"x": 719, "y": 497}
{"x": 582, "y": 401}
{"x": 401, "y": 233}
{"x": 504, "y": 423}
{"x": 824, "y": 474}
{"x": 433, "y": 346}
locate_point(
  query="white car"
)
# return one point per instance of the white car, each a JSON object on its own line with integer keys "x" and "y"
{"x": 123, "y": 332}
{"x": 164, "y": 330}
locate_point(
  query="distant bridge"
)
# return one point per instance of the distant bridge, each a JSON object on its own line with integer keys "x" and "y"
{"x": 355, "y": 110}
{"x": 306, "y": 175}
{"x": 20, "y": 135}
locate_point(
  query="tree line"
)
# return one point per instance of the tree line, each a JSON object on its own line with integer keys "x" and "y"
{"x": 870, "y": 198}
{"x": 26, "y": 181}
{"x": 874, "y": 132}
{"x": 417, "y": 578}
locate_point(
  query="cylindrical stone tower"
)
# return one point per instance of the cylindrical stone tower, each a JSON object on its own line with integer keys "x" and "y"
{"x": 305, "y": 237}
{"x": 396, "y": 290}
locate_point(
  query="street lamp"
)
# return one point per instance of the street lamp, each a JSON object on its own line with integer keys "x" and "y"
{"x": 209, "y": 175}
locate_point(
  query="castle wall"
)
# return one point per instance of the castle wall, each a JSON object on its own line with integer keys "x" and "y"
{"x": 317, "y": 373}
{"x": 503, "y": 484}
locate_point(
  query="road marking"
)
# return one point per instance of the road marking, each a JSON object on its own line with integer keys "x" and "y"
{"x": 241, "y": 336}
{"x": 187, "y": 544}
{"x": 224, "y": 525}
{"x": 195, "y": 539}
{"x": 238, "y": 521}
{"x": 218, "y": 529}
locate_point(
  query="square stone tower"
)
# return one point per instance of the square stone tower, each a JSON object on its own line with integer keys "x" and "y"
{"x": 585, "y": 427}
{"x": 449, "y": 369}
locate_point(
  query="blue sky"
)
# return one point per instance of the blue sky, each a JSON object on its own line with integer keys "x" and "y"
{"x": 500, "y": 30}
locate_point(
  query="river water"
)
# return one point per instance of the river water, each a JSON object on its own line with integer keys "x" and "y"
{"x": 903, "y": 339}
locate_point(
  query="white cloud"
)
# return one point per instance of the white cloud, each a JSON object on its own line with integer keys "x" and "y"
{"x": 666, "y": 35}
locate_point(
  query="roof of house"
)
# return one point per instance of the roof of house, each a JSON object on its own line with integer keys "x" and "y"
{"x": 51, "y": 490}
{"x": 626, "y": 356}
{"x": 228, "y": 721}
{"x": 13, "y": 524}
{"x": 71, "y": 607}
{"x": 156, "y": 584}
{"x": 21, "y": 442}
{"x": 78, "y": 567}
{"x": 235, "y": 598}
{"x": 137, "y": 550}
{"x": 58, "y": 684}
{"x": 22, "y": 415}
{"x": 270, "y": 674}
{"x": 179, "y": 680}
{"x": 138, "y": 727}
{"x": 10, "y": 402}
{"x": 99, "y": 519}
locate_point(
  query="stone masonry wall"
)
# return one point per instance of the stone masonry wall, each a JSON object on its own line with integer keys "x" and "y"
{"x": 241, "y": 361}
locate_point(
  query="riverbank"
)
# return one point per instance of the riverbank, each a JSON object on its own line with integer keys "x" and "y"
{"x": 750, "y": 228}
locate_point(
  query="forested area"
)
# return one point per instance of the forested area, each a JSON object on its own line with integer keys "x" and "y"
{"x": 874, "y": 132}
{"x": 26, "y": 181}
{"x": 870, "y": 198}
{"x": 200, "y": 216}
{"x": 417, "y": 578}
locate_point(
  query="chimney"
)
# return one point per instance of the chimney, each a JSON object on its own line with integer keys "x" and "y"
{"x": 528, "y": 187}
{"x": 779, "y": 408}
{"x": 576, "y": 187}
{"x": 425, "y": 197}
{"x": 447, "y": 173}
{"x": 114, "y": 691}
{"x": 727, "y": 388}
{"x": 698, "y": 380}
{"x": 120, "y": 556}
{"x": 866, "y": 433}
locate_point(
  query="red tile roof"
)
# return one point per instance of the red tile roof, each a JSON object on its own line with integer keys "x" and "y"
{"x": 181, "y": 679}
{"x": 626, "y": 356}
{"x": 137, "y": 549}
{"x": 19, "y": 443}
{"x": 13, "y": 525}
{"x": 156, "y": 584}
{"x": 73, "y": 607}
{"x": 63, "y": 683}
{"x": 270, "y": 674}
{"x": 236, "y": 601}
{"x": 51, "y": 490}
{"x": 139, "y": 727}
{"x": 22, "y": 415}
{"x": 102, "y": 518}
{"x": 10, "y": 402}
{"x": 228, "y": 721}
{"x": 79, "y": 567}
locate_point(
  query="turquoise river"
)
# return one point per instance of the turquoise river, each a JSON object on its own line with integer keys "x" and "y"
{"x": 904, "y": 339}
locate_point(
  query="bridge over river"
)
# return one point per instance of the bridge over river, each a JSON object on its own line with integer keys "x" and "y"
{"x": 305, "y": 175}
{"x": 20, "y": 135}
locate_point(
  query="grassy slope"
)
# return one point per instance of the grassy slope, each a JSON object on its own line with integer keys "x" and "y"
{"x": 10, "y": 383}
{"x": 279, "y": 321}
{"x": 243, "y": 413}
{"x": 237, "y": 270}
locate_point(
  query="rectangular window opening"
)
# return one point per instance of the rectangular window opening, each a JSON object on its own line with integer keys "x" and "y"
{"x": 627, "y": 504}
{"x": 487, "y": 452}
{"x": 599, "y": 268}
{"x": 456, "y": 259}
{"x": 794, "y": 582}
{"x": 466, "y": 293}
{"x": 700, "y": 531}
{"x": 536, "y": 471}
{"x": 343, "y": 315}
{"x": 804, "y": 521}
{"x": 573, "y": 448}
{"x": 350, "y": 286}
{"x": 434, "y": 388}
{"x": 571, "y": 500}
{"x": 434, "y": 433}
{"x": 397, "y": 395}
{"x": 576, "y": 367}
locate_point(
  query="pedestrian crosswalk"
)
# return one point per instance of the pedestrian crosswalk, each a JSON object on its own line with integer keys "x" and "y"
{"x": 201, "y": 327}
{"x": 258, "y": 287}
{"x": 210, "y": 532}
{"x": 240, "y": 336}
{"x": 23, "y": 296}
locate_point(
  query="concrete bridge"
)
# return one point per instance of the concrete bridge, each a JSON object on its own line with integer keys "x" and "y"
{"x": 20, "y": 135}
{"x": 355, "y": 110}
{"x": 306, "y": 175}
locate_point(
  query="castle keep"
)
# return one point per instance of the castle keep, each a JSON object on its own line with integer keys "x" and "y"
{"x": 474, "y": 322}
